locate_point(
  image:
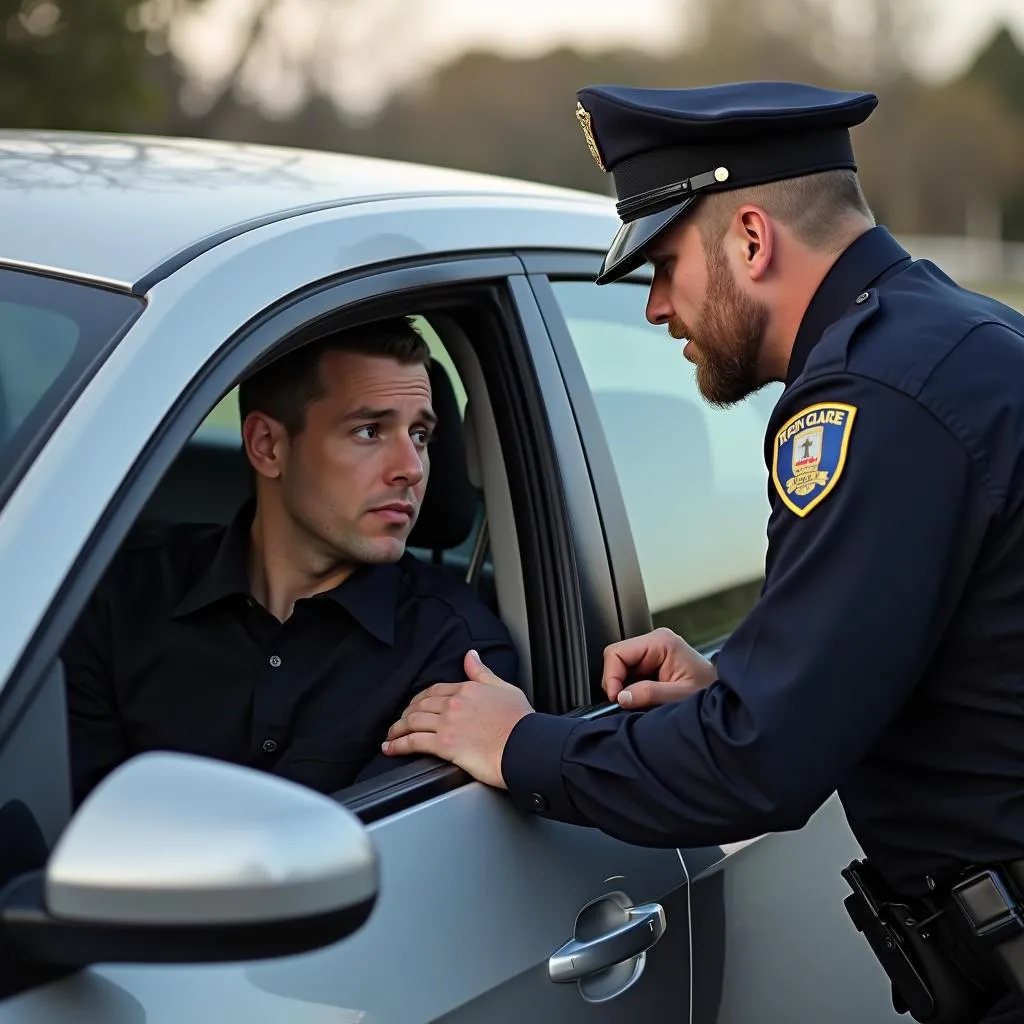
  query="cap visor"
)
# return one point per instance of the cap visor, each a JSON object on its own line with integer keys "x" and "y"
{"x": 626, "y": 253}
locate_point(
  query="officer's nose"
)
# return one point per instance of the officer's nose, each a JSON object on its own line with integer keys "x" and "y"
{"x": 659, "y": 306}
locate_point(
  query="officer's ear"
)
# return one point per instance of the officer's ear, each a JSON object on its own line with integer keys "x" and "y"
{"x": 755, "y": 239}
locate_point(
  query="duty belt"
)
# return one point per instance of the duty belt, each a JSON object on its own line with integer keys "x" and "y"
{"x": 951, "y": 955}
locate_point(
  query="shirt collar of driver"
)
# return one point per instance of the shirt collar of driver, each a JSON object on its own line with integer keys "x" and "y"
{"x": 370, "y": 595}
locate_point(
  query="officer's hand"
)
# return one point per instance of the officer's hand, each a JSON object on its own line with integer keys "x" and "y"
{"x": 667, "y": 668}
{"x": 466, "y": 723}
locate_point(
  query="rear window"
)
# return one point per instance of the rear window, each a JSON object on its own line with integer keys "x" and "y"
{"x": 53, "y": 336}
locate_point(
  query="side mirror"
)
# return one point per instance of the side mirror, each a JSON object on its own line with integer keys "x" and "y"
{"x": 180, "y": 859}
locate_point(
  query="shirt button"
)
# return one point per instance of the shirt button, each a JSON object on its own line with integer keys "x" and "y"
{"x": 863, "y": 297}
{"x": 538, "y": 802}
{"x": 275, "y": 661}
{"x": 269, "y": 746}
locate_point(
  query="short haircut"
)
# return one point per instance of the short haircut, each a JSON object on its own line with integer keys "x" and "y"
{"x": 815, "y": 207}
{"x": 285, "y": 388}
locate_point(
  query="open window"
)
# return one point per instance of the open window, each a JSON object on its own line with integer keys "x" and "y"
{"x": 211, "y": 477}
{"x": 467, "y": 492}
{"x": 493, "y": 512}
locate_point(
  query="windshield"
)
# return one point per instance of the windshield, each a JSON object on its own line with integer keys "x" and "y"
{"x": 54, "y": 334}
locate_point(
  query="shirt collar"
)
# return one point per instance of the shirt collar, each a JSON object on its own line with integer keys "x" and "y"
{"x": 228, "y": 573}
{"x": 370, "y": 595}
{"x": 857, "y": 268}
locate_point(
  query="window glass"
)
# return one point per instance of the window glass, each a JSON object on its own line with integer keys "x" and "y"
{"x": 51, "y": 334}
{"x": 693, "y": 477}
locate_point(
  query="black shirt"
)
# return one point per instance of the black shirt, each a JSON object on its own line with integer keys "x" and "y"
{"x": 885, "y": 656}
{"x": 173, "y": 653}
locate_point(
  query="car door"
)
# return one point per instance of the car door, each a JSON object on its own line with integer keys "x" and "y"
{"x": 683, "y": 490}
{"x": 484, "y": 914}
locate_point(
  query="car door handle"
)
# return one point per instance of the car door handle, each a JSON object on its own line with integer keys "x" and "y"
{"x": 578, "y": 958}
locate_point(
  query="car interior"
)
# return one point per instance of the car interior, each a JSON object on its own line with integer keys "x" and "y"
{"x": 465, "y": 522}
{"x": 211, "y": 478}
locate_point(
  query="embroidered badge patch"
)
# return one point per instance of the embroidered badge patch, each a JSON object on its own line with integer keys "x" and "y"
{"x": 810, "y": 452}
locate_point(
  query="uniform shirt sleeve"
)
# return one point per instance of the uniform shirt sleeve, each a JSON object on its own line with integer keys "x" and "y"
{"x": 445, "y": 665}
{"x": 857, "y": 594}
{"x": 95, "y": 737}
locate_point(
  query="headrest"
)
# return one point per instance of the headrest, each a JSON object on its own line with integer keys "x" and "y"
{"x": 450, "y": 503}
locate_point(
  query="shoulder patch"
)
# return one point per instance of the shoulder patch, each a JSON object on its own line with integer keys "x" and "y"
{"x": 810, "y": 452}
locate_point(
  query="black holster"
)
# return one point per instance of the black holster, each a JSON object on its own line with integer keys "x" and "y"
{"x": 927, "y": 982}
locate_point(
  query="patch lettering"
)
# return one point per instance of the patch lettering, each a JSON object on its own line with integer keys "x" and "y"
{"x": 810, "y": 452}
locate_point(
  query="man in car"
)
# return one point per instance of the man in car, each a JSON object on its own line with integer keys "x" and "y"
{"x": 884, "y": 658}
{"x": 289, "y": 640}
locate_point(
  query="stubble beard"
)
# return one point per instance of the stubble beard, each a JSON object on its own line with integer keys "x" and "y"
{"x": 338, "y": 544}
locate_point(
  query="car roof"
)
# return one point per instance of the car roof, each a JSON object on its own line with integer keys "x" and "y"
{"x": 116, "y": 206}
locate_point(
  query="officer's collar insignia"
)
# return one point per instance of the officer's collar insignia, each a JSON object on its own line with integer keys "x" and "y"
{"x": 810, "y": 452}
{"x": 583, "y": 116}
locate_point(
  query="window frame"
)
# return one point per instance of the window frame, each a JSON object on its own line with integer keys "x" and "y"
{"x": 545, "y": 267}
{"x": 526, "y": 406}
{"x": 631, "y": 597}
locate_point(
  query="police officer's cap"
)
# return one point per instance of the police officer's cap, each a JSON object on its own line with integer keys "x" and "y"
{"x": 666, "y": 147}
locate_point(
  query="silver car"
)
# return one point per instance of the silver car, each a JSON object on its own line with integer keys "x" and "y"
{"x": 140, "y": 279}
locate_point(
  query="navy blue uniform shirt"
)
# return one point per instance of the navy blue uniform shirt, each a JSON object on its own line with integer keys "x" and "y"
{"x": 172, "y": 653}
{"x": 885, "y": 656}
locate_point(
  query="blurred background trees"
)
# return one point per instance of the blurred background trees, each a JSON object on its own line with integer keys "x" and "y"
{"x": 85, "y": 64}
{"x": 936, "y": 158}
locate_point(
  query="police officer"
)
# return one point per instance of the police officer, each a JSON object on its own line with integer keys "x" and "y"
{"x": 885, "y": 656}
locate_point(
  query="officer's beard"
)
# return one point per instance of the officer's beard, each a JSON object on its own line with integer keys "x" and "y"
{"x": 727, "y": 337}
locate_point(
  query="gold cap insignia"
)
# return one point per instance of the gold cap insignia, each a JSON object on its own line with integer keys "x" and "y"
{"x": 583, "y": 116}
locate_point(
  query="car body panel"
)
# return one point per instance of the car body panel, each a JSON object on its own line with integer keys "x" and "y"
{"x": 772, "y": 940}
{"x": 77, "y": 201}
{"x": 474, "y": 899}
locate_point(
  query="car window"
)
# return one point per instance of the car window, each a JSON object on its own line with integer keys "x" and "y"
{"x": 223, "y": 419}
{"x": 221, "y": 427}
{"x": 693, "y": 477}
{"x": 52, "y": 333}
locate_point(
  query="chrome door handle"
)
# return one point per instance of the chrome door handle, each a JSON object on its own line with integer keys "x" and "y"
{"x": 581, "y": 957}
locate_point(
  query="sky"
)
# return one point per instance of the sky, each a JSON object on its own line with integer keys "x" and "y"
{"x": 428, "y": 33}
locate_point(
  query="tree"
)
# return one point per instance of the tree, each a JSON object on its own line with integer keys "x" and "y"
{"x": 929, "y": 156}
{"x": 999, "y": 69}
{"x": 81, "y": 64}
{"x": 298, "y": 48}
{"x": 505, "y": 116}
